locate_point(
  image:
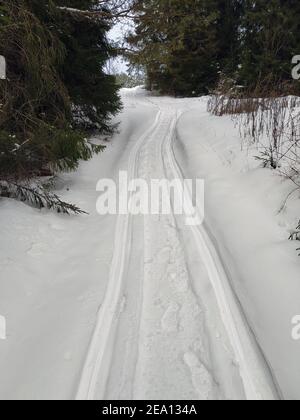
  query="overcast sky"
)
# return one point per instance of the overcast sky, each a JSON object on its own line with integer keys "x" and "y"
{"x": 117, "y": 34}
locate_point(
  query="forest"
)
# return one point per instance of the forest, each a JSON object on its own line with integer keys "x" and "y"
{"x": 189, "y": 47}
{"x": 57, "y": 91}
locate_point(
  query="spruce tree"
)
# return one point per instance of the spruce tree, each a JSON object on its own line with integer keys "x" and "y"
{"x": 93, "y": 93}
{"x": 270, "y": 38}
{"x": 55, "y": 83}
{"x": 56, "y": 89}
{"x": 186, "y": 45}
{"x": 229, "y": 19}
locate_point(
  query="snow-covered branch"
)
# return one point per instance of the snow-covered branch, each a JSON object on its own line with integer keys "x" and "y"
{"x": 111, "y": 10}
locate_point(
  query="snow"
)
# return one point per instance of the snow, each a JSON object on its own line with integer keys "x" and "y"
{"x": 130, "y": 307}
{"x": 242, "y": 204}
{"x": 2, "y": 328}
{"x": 53, "y": 276}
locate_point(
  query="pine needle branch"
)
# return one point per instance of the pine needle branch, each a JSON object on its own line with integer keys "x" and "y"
{"x": 38, "y": 197}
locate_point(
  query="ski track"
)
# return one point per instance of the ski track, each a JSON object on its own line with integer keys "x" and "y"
{"x": 98, "y": 357}
{"x": 177, "y": 352}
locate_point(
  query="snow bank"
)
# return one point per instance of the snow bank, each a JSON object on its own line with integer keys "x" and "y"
{"x": 242, "y": 204}
{"x": 53, "y": 274}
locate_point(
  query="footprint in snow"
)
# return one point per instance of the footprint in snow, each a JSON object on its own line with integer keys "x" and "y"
{"x": 169, "y": 322}
{"x": 201, "y": 378}
{"x": 37, "y": 249}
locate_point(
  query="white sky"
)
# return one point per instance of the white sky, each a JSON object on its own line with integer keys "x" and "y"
{"x": 117, "y": 34}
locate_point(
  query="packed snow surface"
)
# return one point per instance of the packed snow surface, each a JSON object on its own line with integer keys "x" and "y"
{"x": 147, "y": 307}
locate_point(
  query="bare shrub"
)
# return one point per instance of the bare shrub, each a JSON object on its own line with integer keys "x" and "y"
{"x": 220, "y": 105}
{"x": 265, "y": 119}
{"x": 270, "y": 122}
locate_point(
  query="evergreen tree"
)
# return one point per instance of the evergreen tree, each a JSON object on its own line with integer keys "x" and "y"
{"x": 93, "y": 93}
{"x": 230, "y": 14}
{"x": 193, "y": 62}
{"x": 55, "y": 66}
{"x": 270, "y": 38}
{"x": 56, "y": 89}
{"x": 186, "y": 46}
{"x": 176, "y": 41}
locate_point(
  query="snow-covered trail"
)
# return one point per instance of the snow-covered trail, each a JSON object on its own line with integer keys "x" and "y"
{"x": 170, "y": 326}
{"x": 130, "y": 307}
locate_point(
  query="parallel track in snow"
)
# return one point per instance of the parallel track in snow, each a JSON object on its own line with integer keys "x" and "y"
{"x": 96, "y": 368}
{"x": 257, "y": 383}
